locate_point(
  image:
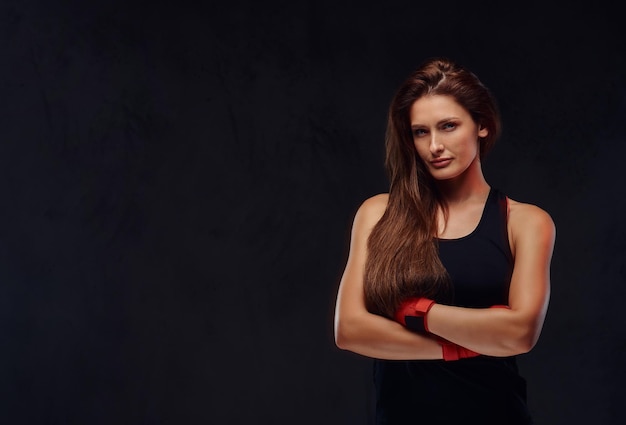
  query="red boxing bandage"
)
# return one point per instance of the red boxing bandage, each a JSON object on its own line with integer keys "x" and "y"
{"x": 452, "y": 352}
{"x": 412, "y": 313}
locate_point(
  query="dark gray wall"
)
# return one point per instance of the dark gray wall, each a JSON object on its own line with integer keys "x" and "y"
{"x": 178, "y": 183}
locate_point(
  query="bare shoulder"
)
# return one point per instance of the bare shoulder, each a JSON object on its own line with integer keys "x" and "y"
{"x": 524, "y": 217}
{"x": 376, "y": 204}
{"x": 371, "y": 210}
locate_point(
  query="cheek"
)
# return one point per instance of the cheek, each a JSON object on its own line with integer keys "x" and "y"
{"x": 476, "y": 147}
{"x": 421, "y": 150}
{"x": 470, "y": 146}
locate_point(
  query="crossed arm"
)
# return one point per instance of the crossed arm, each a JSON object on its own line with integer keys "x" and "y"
{"x": 494, "y": 332}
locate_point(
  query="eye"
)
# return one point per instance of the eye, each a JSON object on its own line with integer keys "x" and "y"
{"x": 449, "y": 126}
{"x": 418, "y": 132}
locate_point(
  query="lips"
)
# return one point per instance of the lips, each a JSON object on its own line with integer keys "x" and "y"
{"x": 440, "y": 162}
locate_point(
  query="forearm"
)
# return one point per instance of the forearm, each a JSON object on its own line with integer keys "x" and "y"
{"x": 377, "y": 337}
{"x": 490, "y": 331}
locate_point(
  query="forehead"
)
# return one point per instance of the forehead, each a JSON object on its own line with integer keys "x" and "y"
{"x": 431, "y": 109}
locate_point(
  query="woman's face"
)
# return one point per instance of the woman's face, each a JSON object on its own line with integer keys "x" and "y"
{"x": 445, "y": 136}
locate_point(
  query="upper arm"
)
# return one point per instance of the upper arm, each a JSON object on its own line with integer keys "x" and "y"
{"x": 532, "y": 233}
{"x": 350, "y": 298}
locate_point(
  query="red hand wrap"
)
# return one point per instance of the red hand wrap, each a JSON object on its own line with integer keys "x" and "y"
{"x": 452, "y": 352}
{"x": 414, "y": 308}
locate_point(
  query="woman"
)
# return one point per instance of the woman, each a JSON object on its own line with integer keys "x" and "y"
{"x": 447, "y": 279}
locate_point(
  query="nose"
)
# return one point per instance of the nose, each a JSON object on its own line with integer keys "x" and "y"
{"x": 435, "y": 146}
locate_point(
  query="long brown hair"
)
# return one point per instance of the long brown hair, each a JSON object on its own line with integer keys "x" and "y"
{"x": 403, "y": 257}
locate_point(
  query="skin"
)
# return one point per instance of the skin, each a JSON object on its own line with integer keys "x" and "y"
{"x": 446, "y": 139}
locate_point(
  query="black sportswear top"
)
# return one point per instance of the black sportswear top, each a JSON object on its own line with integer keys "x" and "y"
{"x": 483, "y": 390}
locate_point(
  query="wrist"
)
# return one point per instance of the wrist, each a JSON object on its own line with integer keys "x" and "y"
{"x": 423, "y": 306}
{"x": 413, "y": 312}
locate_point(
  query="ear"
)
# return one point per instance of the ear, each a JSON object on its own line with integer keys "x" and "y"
{"x": 482, "y": 131}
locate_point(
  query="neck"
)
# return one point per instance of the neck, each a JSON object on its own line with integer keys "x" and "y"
{"x": 469, "y": 185}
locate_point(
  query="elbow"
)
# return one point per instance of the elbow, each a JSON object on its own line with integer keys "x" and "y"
{"x": 523, "y": 346}
{"x": 340, "y": 340}
{"x": 524, "y": 341}
{"x": 344, "y": 333}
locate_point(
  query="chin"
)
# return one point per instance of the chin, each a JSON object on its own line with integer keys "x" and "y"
{"x": 439, "y": 175}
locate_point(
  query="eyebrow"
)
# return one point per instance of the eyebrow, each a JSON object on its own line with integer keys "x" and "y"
{"x": 441, "y": 121}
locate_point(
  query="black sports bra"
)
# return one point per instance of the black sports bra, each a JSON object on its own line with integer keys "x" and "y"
{"x": 481, "y": 264}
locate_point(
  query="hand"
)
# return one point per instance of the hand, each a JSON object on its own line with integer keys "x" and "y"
{"x": 412, "y": 313}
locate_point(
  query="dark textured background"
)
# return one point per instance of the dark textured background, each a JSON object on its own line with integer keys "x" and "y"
{"x": 178, "y": 183}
